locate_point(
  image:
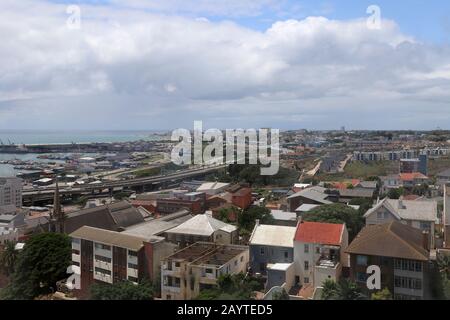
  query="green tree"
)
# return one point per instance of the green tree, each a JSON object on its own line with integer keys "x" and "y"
{"x": 342, "y": 290}
{"x": 395, "y": 193}
{"x": 384, "y": 294}
{"x": 329, "y": 290}
{"x": 8, "y": 258}
{"x": 124, "y": 290}
{"x": 42, "y": 262}
{"x": 337, "y": 213}
{"x": 247, "y": 218}
{"x": 232, "y": 287}
{"x": 283, "y": 295}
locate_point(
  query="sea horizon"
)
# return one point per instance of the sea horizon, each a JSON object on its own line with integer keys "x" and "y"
{"x": 31, "y": 136}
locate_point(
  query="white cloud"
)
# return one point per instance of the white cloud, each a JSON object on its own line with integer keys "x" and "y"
{"x": 298, "y": 71}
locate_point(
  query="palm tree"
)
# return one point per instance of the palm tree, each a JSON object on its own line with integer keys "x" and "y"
{"x": 329, "y": 290}
{"x": 348, "y": 290}
{"x": 8, "y": 257}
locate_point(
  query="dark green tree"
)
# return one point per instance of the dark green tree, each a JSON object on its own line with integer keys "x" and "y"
{"x": 283, "y": 295}
{"x": 342, "y": 290}
{"x": 232, "y": 287}
{"x": 8, "y": 258}
{"x": 247, "y": 218}
{"x": 42, "y": 262}
{"x": 329, "y": 290}
{"x": 124, "y": 290}
{"x": 395, "y": 193}
{"x": 337, "y": 213}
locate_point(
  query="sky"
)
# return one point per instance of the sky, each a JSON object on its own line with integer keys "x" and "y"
{"x": 288, "y": 64}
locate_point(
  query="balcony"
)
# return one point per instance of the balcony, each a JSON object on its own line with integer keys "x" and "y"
{"x": 103, "y": 264}
{"x": 102, "y": 277}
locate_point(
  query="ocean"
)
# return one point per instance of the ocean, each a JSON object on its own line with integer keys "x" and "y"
{"x": 52, "y": 137}
{"x": 49, "y": 137}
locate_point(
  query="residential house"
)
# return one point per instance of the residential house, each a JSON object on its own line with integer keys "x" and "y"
{"x": 171, "y": 205}
{"x": 205, "y": 228}
{"x": 346, "y": 195}
{"x": 313, "y": 195}
{"x": 319, "y": 252}
{"x": 409, "y": 180}
{"x": 270, "y": 245}
{"x": 197, "y": 267}
{"x": 419, "y": 214}
{"x": 443, "y": 177}
{"x": 403, "y": 255}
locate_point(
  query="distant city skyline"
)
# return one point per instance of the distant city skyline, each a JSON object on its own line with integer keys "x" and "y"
{"x": 153, "y": 65}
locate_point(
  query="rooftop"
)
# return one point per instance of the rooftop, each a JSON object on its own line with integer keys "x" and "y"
{"x": 318, "y": 232}
{"x": 408, "y": 209}
{"x": 393, "y": 239}
{"x": 314, "y": 193}
{"x": 160, "y": 225}
{"x": 112, "y": 238}
{"x": 279, "y": 236}
{"x": 202, "y": 224}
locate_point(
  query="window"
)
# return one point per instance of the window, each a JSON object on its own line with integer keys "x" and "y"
{"x": 361, "y": 277}
{"x": 132, "y": 253}
{"x": 132, "y": 266}
{"x": 102, "y": 258}
{"x": 306, "y": 248}
{"x": 408, "y": 283}
{"x": 306, "y": 280}
{"x": 177, "y": 264}
{"x": 286, "y": 254}
{"x": 318, "y": 250}
{"x": 102, "y": 271}
{"x": 132, "y": 279}
{"x": 102, "y": 246}
{"x": 380, "y": 215}
{"x": 306, "y": 265}
{"x": 425, "y": 226}
{"x": 361, "y": 260}
{"x": 242, "y": 258}
{"x": 262, "y": 251}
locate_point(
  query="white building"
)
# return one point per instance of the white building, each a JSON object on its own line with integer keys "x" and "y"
{"x": 11, "y": 192}
{"x": 319, "y": 252}
{"x": 197, "y": 267}
{"x": 8, "y": 234}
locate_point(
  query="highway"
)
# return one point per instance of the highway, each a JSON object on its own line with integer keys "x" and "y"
{"x": 46, "y": 192}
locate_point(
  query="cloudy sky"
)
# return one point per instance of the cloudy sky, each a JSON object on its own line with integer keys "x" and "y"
{"x": 161, "y": 64}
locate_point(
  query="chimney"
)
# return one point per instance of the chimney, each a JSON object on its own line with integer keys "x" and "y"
{"x": 425, "y": 240}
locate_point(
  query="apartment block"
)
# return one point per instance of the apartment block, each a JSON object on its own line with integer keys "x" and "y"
{"x": 401, "y": 252}
{"x": 110, "y": 257}
{"x": 11, "y": 192}
{"x": 185, "y": 273}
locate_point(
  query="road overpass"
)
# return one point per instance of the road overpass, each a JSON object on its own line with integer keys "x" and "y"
{"x": 46, "y": 193}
